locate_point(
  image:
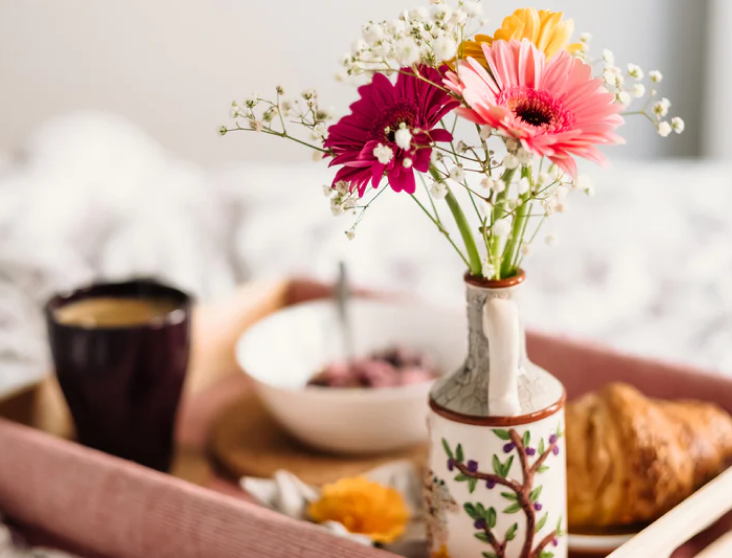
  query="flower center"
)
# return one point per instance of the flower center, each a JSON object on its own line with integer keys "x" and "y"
{"x": 537, "y": 108}
{"x": 387, "y": 123}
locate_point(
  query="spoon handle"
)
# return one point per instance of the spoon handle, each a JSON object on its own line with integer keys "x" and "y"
{"x": 342, "y": 297}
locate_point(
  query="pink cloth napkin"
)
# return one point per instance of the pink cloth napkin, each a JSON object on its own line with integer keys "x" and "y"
{"x": 103, "y": 506}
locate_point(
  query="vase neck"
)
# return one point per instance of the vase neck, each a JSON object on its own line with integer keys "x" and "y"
{"x": 478, "y": 344}
{"x": 497, "y": 381}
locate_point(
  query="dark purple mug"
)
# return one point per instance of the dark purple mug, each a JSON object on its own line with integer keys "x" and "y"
{"x": 123, "y": 383}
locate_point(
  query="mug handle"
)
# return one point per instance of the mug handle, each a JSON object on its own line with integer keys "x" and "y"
{"x": 502, "y": 327}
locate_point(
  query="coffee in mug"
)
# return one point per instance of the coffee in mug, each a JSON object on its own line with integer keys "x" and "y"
{"x": 121, "y": 352}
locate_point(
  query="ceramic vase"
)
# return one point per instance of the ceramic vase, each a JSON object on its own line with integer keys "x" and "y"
{"x": 496, "y": 487}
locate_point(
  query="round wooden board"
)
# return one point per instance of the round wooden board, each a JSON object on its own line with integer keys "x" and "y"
{"x": 246, "y": 441}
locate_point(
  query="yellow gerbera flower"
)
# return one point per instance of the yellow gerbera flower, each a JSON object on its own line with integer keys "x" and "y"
{"x": 362, "y": 506}
{"x": 544, "y": 28}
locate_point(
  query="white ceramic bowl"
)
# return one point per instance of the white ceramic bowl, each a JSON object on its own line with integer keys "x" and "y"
{"x": 281, "y": 353}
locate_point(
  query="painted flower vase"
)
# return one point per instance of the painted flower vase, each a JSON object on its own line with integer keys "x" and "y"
{"x": 496, "y": 487}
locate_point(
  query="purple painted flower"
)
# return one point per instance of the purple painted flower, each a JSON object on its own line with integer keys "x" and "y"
{"x": 472, "y": 466}
{"x": 553, "y": 439}
{"x": 555, "y": 542}
{"x": 508, "y": 448}
{"x": 450, "y": 464}
{"x": 480, "y": 524}
{"x": 530, "y": 451}
{"x": 490, "y": 484}
{"x": 555, "y": 450}
{"x": 538, "y": 506}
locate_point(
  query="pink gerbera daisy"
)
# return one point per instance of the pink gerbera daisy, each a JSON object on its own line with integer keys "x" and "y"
{"x": 554, "y": 108}
{"x": 390, "y": 130}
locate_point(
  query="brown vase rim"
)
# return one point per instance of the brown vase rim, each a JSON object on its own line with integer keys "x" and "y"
{"x": 496, "y": 283}
{"x": 528, "y": 418}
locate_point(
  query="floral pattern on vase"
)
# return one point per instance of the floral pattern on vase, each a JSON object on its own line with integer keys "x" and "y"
{"x": 523, "y": 495}
{"x": 509, "y": 485}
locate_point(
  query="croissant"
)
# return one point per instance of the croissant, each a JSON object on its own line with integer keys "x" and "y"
{"x": 630, "y": 458}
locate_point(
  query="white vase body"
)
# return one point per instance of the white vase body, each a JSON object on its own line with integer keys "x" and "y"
{"x": 497, "y": 479}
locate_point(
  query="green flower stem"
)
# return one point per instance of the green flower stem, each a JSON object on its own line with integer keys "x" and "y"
{"x": 499, "y": 211}
{"x": 474, "y": 264}
{"x": 441, "y": 229}
{"x": 510, "y": 254}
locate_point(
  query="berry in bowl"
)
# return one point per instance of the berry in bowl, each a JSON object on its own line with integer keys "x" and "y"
{"x": 371, "y": 403}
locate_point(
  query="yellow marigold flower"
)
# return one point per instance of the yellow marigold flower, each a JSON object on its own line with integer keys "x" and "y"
{"x": 545, "y": 29}
{"x": 441, "y": 553}
{"x": 362, "y": 506}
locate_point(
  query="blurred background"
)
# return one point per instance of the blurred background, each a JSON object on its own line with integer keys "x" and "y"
{"x": 172, "y": 68}
{"x": 111, "y": 166}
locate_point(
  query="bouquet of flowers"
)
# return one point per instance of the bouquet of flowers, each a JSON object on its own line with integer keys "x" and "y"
{"x": 524, "y": 101}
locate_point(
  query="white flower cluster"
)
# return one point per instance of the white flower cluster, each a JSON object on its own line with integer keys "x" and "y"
{"x": 627, "y": 85}
{"x": 422, "y": 35}
{"x": 341, "y": 198}
{"x": 584, "y": 46}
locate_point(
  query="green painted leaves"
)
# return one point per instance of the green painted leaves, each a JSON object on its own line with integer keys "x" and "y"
{"x": 472, "y": 483}
{"x": 471, "y": 510}
{"x": 546, "y": 554}
{"x": 542, "y": 447}
{"x": 511, "y": 533}
{"x": 490, "y": 555}
{"x": 511, "y": 497}
{"x": 459, "y": 455}
{"x": 560, "y": 432}
{"x": 504, "y": 435}
{"x": 478, "y": 511}
{"x": 540, "y": 524}
{"x": 534, "y": 494}
{"x": 447, "y": 449}
{"x": 559, "y": 531}
{"x": 502, "y": 469}
{"x": 491, "y": 517}
{"x": 507, "y": 467}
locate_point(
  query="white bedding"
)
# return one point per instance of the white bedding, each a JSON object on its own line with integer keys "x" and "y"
{"x": 645, "y": 265}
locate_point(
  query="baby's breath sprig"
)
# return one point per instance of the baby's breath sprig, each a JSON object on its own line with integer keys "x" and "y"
{"x": 257, "y": 114}
{"x": 419, "y": 36}
{"x": 628, "y": 86}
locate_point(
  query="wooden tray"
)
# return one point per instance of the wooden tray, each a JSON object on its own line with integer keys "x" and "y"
{"x": 582, "y": 367}
{"x": 105, "y": 506}
{"x": 245, "y": 440}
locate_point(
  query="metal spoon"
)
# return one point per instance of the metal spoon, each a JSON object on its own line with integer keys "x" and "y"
{"x": 342, "y": 296}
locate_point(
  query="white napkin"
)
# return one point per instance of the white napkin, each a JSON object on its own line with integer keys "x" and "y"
{"x": 9, "y": 548}
{"x": 287, "y": 494}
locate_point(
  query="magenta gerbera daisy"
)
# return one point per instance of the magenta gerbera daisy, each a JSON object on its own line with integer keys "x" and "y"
{"x": 554, "y": 108}
{"x": 391, "y": 130}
